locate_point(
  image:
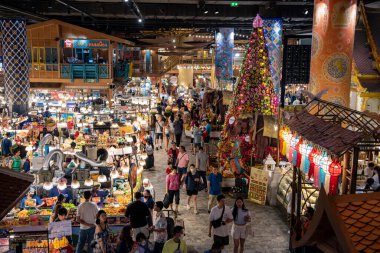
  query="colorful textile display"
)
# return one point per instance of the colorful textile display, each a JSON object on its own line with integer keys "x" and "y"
{"x": 273, "y": 38}
{"x": 224, "y": 46}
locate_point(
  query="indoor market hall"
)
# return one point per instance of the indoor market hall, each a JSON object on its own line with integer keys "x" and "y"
{"x": 197, "y": 126}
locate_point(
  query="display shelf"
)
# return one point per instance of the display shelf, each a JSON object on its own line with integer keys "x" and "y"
{"x": 309, "y": 194}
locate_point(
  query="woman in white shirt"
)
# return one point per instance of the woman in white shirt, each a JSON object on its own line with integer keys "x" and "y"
{"x": 241, "y": 217}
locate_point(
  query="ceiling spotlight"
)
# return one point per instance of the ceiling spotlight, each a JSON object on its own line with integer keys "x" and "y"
{"x": 173, "y": 41}
{"x": 216, "y": 12}
{"x": 140, "y": 20}
{"x": 205, "y": 12}
{"x": 126, "y": 1}
{"x": 50, "y": 5}
{"x": 306, "y": 11}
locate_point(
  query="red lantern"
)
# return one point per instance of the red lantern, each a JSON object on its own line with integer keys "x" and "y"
{"x": 299, "y": 155}
{"x": 312, "y": 154}
{"x": 335, "y": 170}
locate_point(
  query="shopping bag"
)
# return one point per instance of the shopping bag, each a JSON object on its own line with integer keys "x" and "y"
{"x": 166, "y": 201}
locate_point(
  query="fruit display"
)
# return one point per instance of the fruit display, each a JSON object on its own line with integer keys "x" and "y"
{"x": 69, "y": 206}
{"x": 30, "y": 202}
{"x": 60, "y": 243}
{"x": 25, "y": 213}
{"x": 9, "y": 223}
{"x": 50, "y": 201}
{"x": 37, "y": 244}
{"x": 123, "y": 200}
{"x": 112, "y": 210}
{"x": 36, "y": 250}
{"x": 46, "y": 212}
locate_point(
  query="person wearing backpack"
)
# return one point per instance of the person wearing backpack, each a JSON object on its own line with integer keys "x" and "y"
{"x": 159, "y": 228}
{"x": 176, "y": 244}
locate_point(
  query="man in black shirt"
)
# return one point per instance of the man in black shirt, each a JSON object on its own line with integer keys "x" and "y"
{"x": 139, "y": 215}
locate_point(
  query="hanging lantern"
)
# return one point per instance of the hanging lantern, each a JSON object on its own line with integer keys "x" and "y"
{"x": 61, "y": 186}
{"x": 88, "y": 182}
{"x": 299, "y": 155}
{"x": 48, "y": 186}
{"x": 114, "y": 174}
{"x": 75, "y": 184}
{"x": 335, "y": 169}
{"x": 312, "y": 164}
{"x": 102, "y": 179}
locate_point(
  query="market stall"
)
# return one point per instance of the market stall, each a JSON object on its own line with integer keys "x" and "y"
{"x": 323, "y": 143}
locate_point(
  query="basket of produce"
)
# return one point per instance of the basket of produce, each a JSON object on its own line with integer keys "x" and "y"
{"x": 50, "y": 201}
{"x": 69, "y": 206}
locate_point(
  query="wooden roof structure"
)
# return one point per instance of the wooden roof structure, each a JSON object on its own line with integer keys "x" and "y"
{"x": 83, "y": 30}
{"x": 346, "y": 223}
{"x": 13, "y": 187}
{"x": 328, "y": 135}
{"x": 332, "y": 126}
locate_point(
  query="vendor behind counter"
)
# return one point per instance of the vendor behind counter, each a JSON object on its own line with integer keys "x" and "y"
{"x": 31, "y": 196}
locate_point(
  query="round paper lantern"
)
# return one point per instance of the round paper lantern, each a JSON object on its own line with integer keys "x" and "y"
{"x": 335, "y": 169}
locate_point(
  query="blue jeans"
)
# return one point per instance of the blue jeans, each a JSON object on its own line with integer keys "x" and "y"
{"x": 85, "y": 236}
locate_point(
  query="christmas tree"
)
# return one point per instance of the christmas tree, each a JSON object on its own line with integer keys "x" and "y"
{"x": 253, "y": 95}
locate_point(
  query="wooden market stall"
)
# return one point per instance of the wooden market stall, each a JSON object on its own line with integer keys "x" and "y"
{"x": 325, "y": 133}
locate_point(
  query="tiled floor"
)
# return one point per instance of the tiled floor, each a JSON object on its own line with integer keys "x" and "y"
{"x": 270, "y": 230}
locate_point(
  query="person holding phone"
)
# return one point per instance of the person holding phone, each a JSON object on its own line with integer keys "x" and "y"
{"x": 239, "y": 228}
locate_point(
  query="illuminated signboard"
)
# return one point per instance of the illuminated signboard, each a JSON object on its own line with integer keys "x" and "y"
{"x": 69, "y": 43}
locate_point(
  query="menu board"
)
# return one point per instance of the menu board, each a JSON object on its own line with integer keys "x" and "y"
{"x": 59, "y": 229}
{"x": 258, "y": 186}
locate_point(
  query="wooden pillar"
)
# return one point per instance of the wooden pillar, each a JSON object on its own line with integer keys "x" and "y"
{"x": 354, "y": 171}
{"x": 346, "y": 165}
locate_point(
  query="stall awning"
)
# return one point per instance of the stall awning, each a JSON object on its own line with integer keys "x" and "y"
{"x": 326, "y": 134}
{"x": 13, "y": 187}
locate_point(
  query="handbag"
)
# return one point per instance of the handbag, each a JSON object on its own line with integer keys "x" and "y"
{"x": 166, "y": 201}
{"x": 218, "y": 222}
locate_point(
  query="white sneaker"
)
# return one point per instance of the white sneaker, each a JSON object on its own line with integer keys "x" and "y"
{"x": 188, "y": 207}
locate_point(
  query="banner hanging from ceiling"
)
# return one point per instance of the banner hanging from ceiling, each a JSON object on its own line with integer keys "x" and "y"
{"x": 273, "y": 38}
{"x": 224, "y": 53}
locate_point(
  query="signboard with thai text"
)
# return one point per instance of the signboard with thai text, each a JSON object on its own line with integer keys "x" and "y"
{"x": 70, "y": 43}
{"x": 258, "y": 186}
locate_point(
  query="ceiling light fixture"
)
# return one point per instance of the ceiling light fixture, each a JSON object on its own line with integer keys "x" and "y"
{"x": 173, "y": 40}
{"x": 140, "y": 20}
{"x": 306, "y": 11}
{"x": 75, "y": 184}
{"x": 205, "y": 12}
{"x": 126, "y": 1}
{"x": 216, "y": 12}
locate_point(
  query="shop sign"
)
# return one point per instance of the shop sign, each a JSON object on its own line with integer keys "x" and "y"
{"x": 60, "y": 229}
{"x": 69, "y": 43}
{"x": 258, "y": 186}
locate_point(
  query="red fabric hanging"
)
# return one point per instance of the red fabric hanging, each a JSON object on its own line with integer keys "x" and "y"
{"x": 299, "y": 155}
{"x": 312, "y": 164}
